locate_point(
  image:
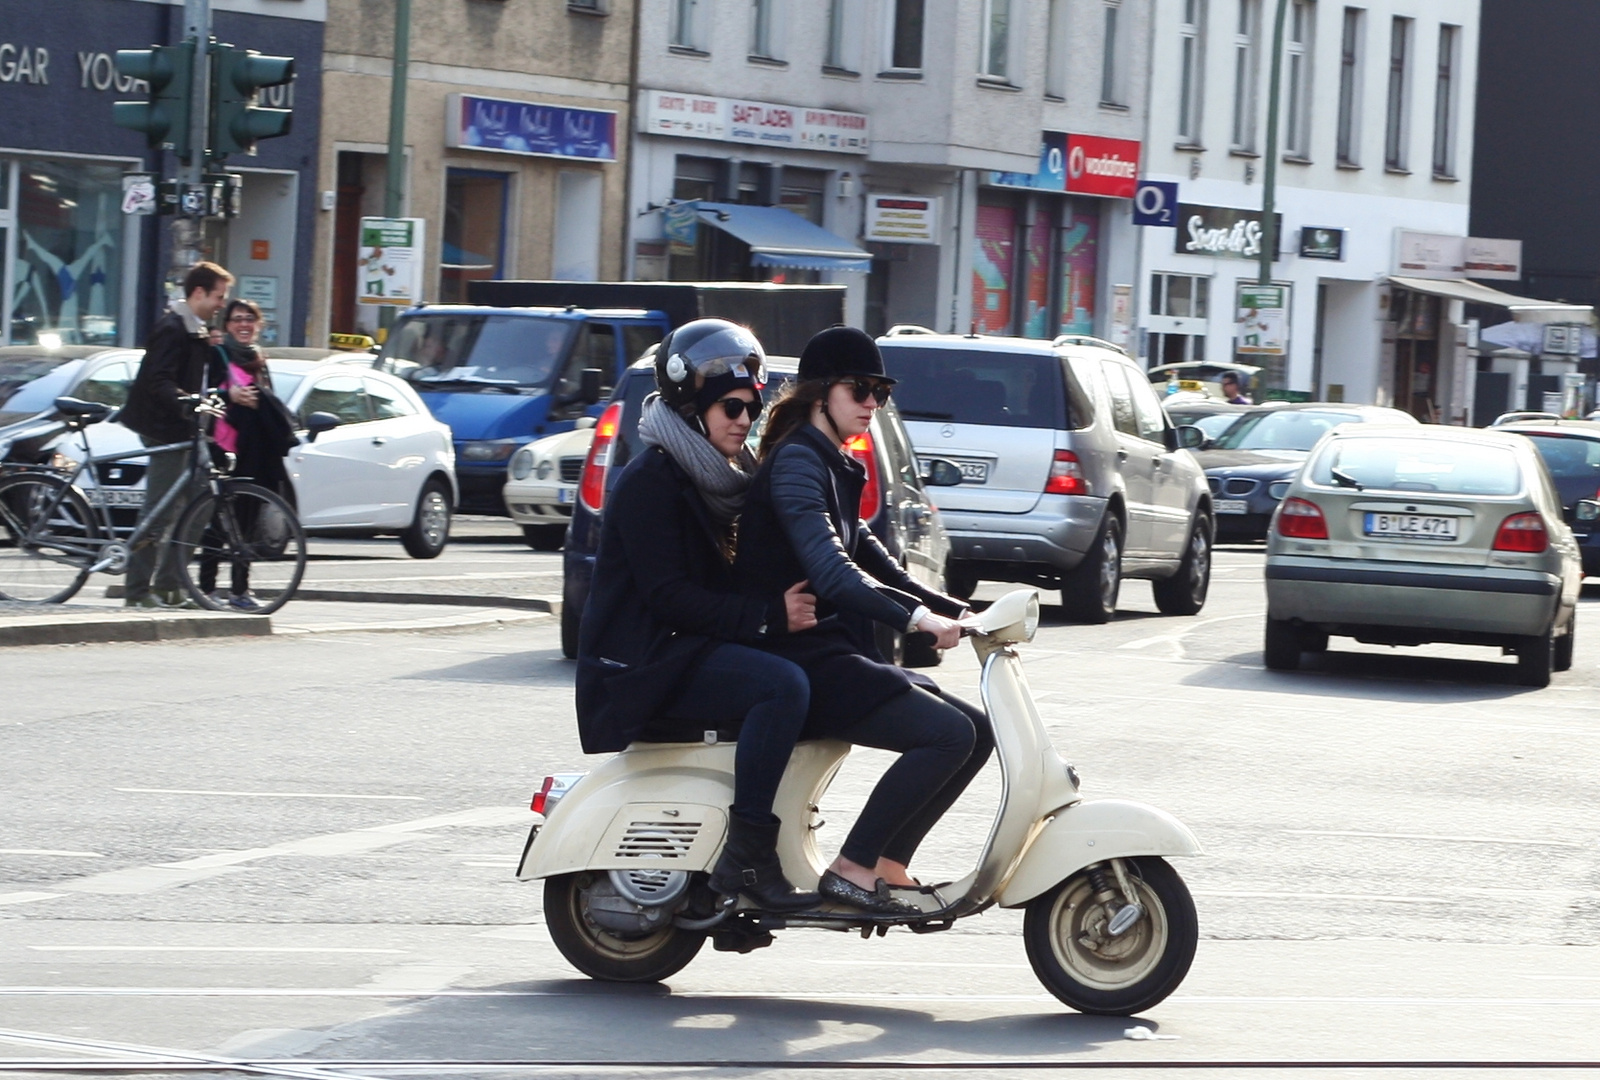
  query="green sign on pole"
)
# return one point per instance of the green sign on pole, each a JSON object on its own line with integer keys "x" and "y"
{"x": 1263, "y": 320}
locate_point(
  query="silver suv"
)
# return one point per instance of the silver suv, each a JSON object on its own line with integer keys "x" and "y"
{"x": 1073, "y": 476}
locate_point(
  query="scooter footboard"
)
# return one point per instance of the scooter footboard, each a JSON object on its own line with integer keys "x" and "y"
{"x": 1091, "y": 832}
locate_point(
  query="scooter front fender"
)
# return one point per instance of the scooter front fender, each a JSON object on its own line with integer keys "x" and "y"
{"x": 1090, "y": 832}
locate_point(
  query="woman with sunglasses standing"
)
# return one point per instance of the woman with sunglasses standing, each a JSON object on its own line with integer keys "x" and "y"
{"x": 668, "y": 646}
{"x": 801, "y": 523}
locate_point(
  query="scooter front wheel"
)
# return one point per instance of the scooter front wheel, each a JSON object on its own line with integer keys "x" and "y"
{"x": 1079, "y": 961}
{"x": 602, "y": 954}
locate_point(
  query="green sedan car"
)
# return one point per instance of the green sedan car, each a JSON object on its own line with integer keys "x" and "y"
{"x": 1411, "y": 535}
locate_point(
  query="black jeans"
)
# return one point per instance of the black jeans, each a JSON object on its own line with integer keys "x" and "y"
{"x": 215, "y": 543}
{"x": 943, "y": 743}
{"x": 771, "y": 696}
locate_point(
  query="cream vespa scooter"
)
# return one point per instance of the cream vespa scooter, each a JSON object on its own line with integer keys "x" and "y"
{"x": 625, "y": 851}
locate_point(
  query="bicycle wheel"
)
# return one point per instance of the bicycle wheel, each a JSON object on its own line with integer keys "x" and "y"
{"x": 48, "y": 539}
{"x": 243, "y": 542}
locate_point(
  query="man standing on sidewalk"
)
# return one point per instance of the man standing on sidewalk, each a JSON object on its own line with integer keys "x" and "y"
{"x": 177, "y": 355}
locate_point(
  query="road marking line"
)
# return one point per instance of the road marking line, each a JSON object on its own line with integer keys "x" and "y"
{"x": 206, "y": 948}
{"x": 1295, "y": 894}
{"x": 262, "y": 794}
{"x": 25, "y": 897}
{"x": 1189, "y": 629}
{"x": 1445, "y": 839}
{"x": 50, "y": 851}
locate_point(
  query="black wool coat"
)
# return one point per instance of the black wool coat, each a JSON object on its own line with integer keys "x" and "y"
{"x": 662, "y": 597}
{"x": 175, "y": 363}
{"x": 801, "y": 522}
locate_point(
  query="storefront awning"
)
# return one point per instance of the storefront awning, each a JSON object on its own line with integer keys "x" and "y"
{"x": 778, "y": 237}
{"x": 1473, "y": 293}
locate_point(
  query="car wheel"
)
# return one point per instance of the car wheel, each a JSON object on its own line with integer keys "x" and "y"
{"x": 429, "y": 530}
{"x": 1089, "y": 593}
{"x": 544, "y": 537}
{"x": 1535, "y": 657}
{"x": 1282, "y": 646}
{"x": 1561, "y": 655}
{"x": 960, "y": 580}
{"x": 1184, "y": 593}
{"x": 569, "y": 630}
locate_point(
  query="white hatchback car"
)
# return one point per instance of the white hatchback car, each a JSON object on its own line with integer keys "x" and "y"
{"x": 542, "y": 484}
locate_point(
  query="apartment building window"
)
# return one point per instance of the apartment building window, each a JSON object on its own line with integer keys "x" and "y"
{"x": 1110, "y": 72}
{"x": 761, "y": 19}
{"x": 835, "y": 55}
{"x": 1244, "y": 75}
{"x": 1192, "y": 60}
{"x": 1057, "y": 48}
{"x": 1349, "y": 134}
{"x": 905, "y": 36}
{"x": 1444, "y": 103}
{"x": 995, "y": 41}
{"x": 685, "y": 24}
{"x": 1396, "y": 128}
{"x": 1298, "y": 53}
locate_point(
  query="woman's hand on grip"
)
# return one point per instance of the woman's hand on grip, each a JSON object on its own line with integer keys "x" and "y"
{"x": 801, "y": 607}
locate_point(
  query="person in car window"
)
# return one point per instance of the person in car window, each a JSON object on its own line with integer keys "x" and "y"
{"x": 666, "y": 645}
{"x": 1232, "y": 392}
{"x": 801, "y": 523}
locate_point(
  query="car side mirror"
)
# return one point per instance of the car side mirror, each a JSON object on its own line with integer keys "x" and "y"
{"x": 941, "y": 473}
{"x": 589, "y": 385}
{"x": 318, "y": 422}
{"x": 1186, "y": 437}
{"x": 1587, "y": 510}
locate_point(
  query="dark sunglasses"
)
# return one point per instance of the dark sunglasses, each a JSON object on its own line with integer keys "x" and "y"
{"x": 861, "y": 389}
{"x": 732, "y": 407}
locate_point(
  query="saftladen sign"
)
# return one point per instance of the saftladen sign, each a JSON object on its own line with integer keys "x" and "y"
{"x": 1221, "y": 231}
{"x": 761, "y": 123}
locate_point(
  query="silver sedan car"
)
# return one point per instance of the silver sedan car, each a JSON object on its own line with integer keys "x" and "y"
{"x": 1403, "y": 536}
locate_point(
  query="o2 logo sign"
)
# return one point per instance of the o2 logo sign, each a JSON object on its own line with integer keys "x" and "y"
{"x": 1156, "y": 203}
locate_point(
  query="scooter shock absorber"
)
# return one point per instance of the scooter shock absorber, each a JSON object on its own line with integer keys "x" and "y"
{"x": 1103, "y": 891}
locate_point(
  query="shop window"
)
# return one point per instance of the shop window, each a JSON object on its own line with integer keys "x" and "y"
{"x": 1036, "y": 321}
{"x": 993, "y": 268}
{"x": 1079, "y": 261}
{"x": 67, "y": 278}
{"x": 1181, "y": 295}
{"x": 474, "y": 230}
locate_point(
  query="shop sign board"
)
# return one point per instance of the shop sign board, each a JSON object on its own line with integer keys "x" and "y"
{"x": 902, "y": 219}
{"x": 1155, "y": 203}
{"x": 389, "y": 261}
{"x": 1080, "y": 165}
{"x": 1317, "y": 242}
{"x": 261, "y": 289}
{"x": 1562, "y": 339}
{"x": 1221, "y": 231}
{"x": 1430, "y": 255}
{"x": 759, "y": 123}
{"x": 1262, "y": 322}
{"x": 680, "y": 223}
{"x": 1494, "y": 260}
{"x": 530, "y": 128}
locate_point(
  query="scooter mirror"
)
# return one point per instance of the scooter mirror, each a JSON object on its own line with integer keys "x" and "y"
{"x": 1014, "y": 617}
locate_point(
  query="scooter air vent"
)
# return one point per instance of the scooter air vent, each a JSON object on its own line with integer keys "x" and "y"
{"x": 657, "y": 840}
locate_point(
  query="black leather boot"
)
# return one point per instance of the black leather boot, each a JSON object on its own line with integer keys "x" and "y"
{"x": 749, "y": 865}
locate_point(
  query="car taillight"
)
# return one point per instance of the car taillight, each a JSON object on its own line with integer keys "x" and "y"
{"x": 860, "y": 448}
{"x": 592, "y": 488}
{"x": 1522, "y": 532}
{"x": 1066, "y": 475}
{"x": 1301, "y": 520}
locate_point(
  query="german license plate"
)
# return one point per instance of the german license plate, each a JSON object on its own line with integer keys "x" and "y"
{"x": 1232, "y": 506}
{"x": 113, "y": 497}
{"x": 1411, "y": 526}
{"x": 972, "y": 472}
{"x": 564, "y": 495}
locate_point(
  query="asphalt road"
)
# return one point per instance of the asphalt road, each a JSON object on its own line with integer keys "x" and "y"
{"x": 302, "y": 848}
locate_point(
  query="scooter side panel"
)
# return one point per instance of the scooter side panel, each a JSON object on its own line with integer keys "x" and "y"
{"x": 1091, "y": 832}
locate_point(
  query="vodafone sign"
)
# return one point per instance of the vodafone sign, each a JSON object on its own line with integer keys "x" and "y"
{"x": 1101, "y": 166}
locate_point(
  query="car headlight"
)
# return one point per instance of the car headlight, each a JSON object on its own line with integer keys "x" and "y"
{"x": 489, "y": 449}
{"x": 521, "y": 464}
{"x": 1278, "y": 489}
{"x": 546, "y": 467}
{"x": 61, "y": 461}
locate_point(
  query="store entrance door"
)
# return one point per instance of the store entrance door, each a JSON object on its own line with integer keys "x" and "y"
{"x": 257, "y": 247}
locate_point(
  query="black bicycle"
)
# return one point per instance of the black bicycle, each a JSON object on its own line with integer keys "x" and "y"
{"x": 53, "y": 535}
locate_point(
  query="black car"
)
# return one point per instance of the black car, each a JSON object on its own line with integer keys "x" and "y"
{"x": 1211, "y": 415}
{"x": 1249, "y": 466}
{"x": 893, "y": 503}
{"x": 1571, "y": 451}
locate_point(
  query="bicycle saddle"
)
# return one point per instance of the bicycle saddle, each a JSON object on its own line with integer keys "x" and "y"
{"x": 89, "y": 412}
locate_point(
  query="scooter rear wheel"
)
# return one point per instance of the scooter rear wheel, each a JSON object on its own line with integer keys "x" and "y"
{"x": 602, "y": 954}
{"x": 1080, "y": 963}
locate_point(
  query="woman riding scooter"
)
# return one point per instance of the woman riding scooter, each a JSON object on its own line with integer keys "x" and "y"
{"x": 801, "y": 523}
{"x": 665, "y": 646}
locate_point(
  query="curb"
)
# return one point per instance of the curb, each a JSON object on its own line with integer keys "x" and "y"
{"x": 549, "y": 605}
{"x": 95, "y": 628}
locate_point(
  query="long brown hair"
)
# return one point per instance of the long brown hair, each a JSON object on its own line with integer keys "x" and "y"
{"x": 790, "y": 409}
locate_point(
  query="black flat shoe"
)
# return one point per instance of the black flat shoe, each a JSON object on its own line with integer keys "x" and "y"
{"x": 879, "y": 901}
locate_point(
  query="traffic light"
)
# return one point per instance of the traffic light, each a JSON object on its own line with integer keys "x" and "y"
{"x": 164, "y": 118}
{"x": 236, "y": 120}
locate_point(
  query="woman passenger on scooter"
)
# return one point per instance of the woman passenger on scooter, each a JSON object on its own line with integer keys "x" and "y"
{"x": 668, "y": 646}
{"x": 801, "y": 523}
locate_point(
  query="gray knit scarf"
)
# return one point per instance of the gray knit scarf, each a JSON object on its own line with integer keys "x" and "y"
{"x": 721, "y": 483}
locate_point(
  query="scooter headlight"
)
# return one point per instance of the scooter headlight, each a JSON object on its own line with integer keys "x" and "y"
{"x": 1012, "y": 618}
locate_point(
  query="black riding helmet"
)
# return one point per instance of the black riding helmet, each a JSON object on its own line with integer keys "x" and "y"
{"x": 840, "y": 352}
{"x": 703, "y": 351}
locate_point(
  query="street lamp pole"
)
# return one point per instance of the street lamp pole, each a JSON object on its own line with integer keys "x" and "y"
{"x": 1269, "y": 180}
{"x": 394, "y": 181}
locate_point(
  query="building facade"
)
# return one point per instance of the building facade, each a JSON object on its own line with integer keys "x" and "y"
{"x": 1375, "y": 148}
{"x": 73, "y": 267}
{"x": 516, "y": 148}
{"x": 966, "y": 163}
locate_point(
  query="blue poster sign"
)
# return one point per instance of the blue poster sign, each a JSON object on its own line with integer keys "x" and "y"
{"x": 1052, "y": 172}
{"x": 1156, "y": 203}
{"x": 681, "y": 225}
{"x": 528, "y": 127}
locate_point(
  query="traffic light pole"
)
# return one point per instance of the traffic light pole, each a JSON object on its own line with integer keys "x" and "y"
{"x": 187, "y": 231}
